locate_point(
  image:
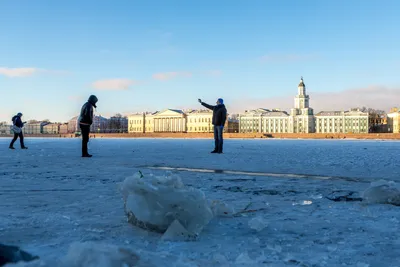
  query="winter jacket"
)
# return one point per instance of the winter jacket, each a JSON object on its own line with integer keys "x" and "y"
{"x": 219, "y": 114}
{"x": 17, "y": 121}
{"x": 86, "y": 116}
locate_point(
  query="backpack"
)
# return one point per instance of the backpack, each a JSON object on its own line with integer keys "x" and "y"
{"x": 14, "y": 128}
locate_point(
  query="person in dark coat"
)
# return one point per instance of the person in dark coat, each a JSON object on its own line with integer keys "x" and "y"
{"x": 218, "y": 120}
{"x": 85, "y": 120}
{"x": 17, "y": 129}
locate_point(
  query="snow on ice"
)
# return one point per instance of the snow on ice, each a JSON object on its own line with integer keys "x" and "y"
{"x": 262, "y": 203}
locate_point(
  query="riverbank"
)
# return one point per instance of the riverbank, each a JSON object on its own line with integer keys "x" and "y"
{"x": 377, "y": 136}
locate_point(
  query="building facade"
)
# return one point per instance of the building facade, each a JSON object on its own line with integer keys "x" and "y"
{"x": 176, "y": 121}
{"x": 73, "y": 125}
{"x": 34, "y": 127}
{"x": 5, "y": 128}
{"x": 170, "y": 120}
{"x": 136, "y": 123}
{"x": 99, "y": 125}
{"x": 353, "y": 121}
{"x": 64, "y": 128}
{"x": 393, "y": 121}
{"x": 51, "y": 128}
{"x": 300, "y": 119}
{"x": 200, "y": 121}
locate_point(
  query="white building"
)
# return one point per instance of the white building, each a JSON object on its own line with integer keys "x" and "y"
{"x": 300, "y": 119}
{"x": 353, "y": 121}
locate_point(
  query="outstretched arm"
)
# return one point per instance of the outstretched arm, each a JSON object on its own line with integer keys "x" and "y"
{"x": 206, "y": 105}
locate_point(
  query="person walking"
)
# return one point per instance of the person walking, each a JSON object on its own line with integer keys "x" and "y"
{"x": 218, "y": 120}
{"x": 85, "y": 120}
{"x": 17, "y": 129}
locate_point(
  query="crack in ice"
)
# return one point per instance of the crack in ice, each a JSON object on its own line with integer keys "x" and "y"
{"x": 264, "y": 174}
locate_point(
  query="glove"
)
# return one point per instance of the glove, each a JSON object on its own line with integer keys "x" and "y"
{"x": 199, "y": 100}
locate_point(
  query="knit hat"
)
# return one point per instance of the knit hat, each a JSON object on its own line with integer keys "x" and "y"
{"x": 19, "y": 114}
{"x": 220, "y": 100}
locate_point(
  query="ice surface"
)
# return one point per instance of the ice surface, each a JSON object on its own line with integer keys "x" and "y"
{"x": 50, "y": 198}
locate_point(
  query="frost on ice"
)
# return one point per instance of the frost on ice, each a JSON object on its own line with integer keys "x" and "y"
{"x": 165, "y": 205}
{"x": 382, "y": 192}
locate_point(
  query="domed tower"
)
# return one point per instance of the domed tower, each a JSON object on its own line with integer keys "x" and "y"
{"x": 302, "y": 100}
{"x": 301, "y": 116}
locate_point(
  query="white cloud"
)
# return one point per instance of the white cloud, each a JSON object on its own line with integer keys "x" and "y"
{"x": 25, "y": 72}
{"x": 113, "y": 84}
{"x": 164, "y": 76}
{"x": 18, "y": 72}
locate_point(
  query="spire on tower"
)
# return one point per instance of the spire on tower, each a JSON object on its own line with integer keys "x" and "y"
{"x": 301, "y": 84}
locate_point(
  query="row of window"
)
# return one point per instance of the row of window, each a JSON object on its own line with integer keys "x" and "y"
{"x": 191, "y": 120}
{"x": 200, "y": 120}
{"x": 201, "y": 129}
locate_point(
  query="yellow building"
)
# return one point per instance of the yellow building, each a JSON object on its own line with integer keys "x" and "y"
{"x": 393, "y": 121}
{"x": 176, "y": 121}
{"x": 136, "y": 123}
{"x": 199, "y": 121}
{"x": 149, "y": 122}
{"x": 51, "y": 128}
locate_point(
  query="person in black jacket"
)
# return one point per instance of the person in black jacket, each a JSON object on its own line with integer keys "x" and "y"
{"x": 85, "y": 120}
{"x": 17, "y": 129}
{"x": 218, "y": 120}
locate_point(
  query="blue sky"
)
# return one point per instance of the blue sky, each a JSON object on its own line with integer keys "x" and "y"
{"x": 153, "y": 55}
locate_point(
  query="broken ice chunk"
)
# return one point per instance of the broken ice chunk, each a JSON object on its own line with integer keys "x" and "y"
{"x": 154, "y": 203}
{"x": 382, "y": 192}
{"x": 176, "y": 232}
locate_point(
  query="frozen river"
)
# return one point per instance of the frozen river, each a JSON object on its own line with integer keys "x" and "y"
{"x": 50, "y": 197}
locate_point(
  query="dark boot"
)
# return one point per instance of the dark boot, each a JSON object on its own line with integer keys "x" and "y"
{"x": 11, "y": 147}
{"x": 86, "y": 156}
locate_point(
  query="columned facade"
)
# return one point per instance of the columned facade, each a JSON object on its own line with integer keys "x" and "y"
{"x": 169, "y": 124}
{"x": 170, "y": 120}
